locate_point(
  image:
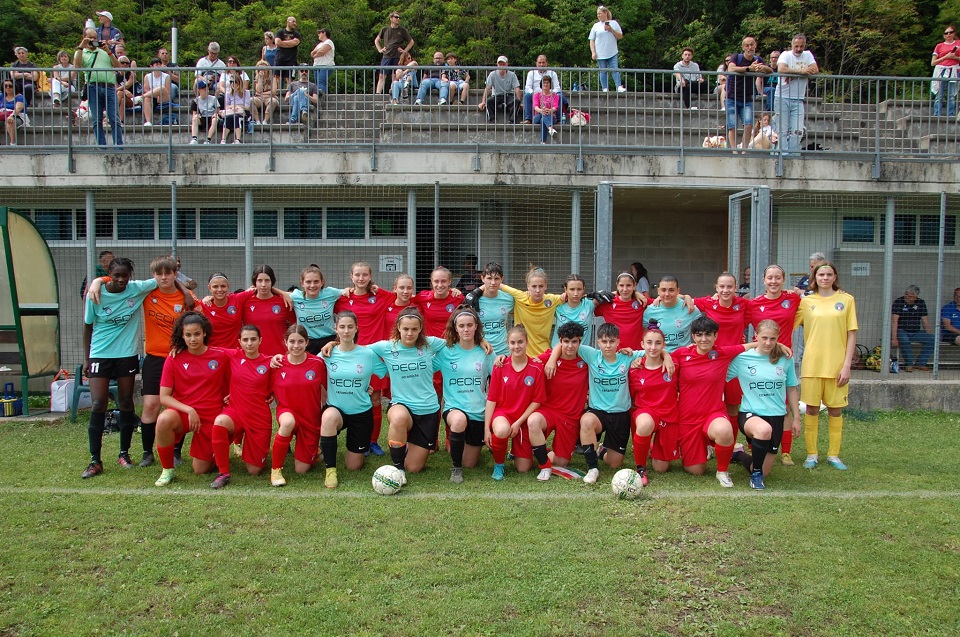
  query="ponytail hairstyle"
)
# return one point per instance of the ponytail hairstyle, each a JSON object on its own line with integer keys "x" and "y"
{"x": 450, "y": 334}
{"x": 407, "y": 313}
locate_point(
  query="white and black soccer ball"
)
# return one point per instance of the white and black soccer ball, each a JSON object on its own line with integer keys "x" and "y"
{"x": 626, "y": 484}
{"x": 387, "y": 480}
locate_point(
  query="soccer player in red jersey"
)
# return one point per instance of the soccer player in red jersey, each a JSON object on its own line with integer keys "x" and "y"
{"x": 194, "y": 382}
{"x": 248, "y": 410}
{"x": 730, "y": 313}
{"x": 298, "y": 388}
{"x": 517, "y": 389}
{"x": 626, "y": 311}
{"x": 438, "y": 303}
{"x": 269, "y": 311}
{"x": 654, "y": 392}
{"x": 702, "y": 370}
{"x": 224, "y": 310}
{"x": 566, "y": 397}
{"x": 780, "y": 306}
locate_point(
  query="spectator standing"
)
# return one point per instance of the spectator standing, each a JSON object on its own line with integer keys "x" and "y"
{"x": 108, "y": 33}
{"x": 103, "y": 266}
{"x": 101, "y": 85}
{"x": 744, "y": 290}
{"x": 604, "y": 36}
{"x": 946, "y": 72}
{"x": 391, "y": 42}
{"x": 63, "y": 80}
{"x": 911, "y": 325}
{"x": 434, "y": 77}
{"x": 287, "y": 39}
{"x": 459, "y": 80}
{"x": 25, "y": 79}
{"x": 532, "y": 86}
{"x": 501, "y": 93}
{"x": 689, "y": 80}
{"x": 323, "y": 60}
{"x": 269, "y": 51}
{"x": 770, "y": 85}
{"x": 721, "y": 88}
{"x": 301, "y": 94}
{"x": 210, "y": 66}
{"x": 795, "y": 67}
{"x": 740, "y": 91}
{"x": 471, "y": 278}
{"x": 950, "y": 320}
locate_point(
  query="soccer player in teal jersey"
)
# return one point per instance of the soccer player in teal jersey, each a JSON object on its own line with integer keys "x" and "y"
{"x": 494, "y": 307}
{"x": 671, "y": 316}
{"x": 314, "y": 307}
{"x": 465, "y": 368}
{"x": 769, "y": 383}
{"x": 578, "y": 309}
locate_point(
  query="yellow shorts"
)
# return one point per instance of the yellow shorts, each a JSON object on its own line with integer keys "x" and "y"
{"x": 814, "y": 391}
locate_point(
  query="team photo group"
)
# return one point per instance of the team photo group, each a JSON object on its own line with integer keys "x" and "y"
{"x": 244, "y": 377}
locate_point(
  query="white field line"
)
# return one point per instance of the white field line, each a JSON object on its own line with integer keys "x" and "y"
{"x": 579, "y": 494}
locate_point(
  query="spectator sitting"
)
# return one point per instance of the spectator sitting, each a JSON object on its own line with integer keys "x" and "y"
{"x": 323, "y": 60}
{"x": 128, "y": 87}
{"x": 25, "y": 81}
{"x": 911, "y": 325}
{"x": 471, "y": 278}
{"x": 459, "y": 80}
{"x": 121, "y": 51}
{"x": 233, "y": 63}
{"x": 210, "y": 67}
{"x": 264, "y": 100}
{"x": 404, "y": 78}
{"x": 236, "y": 103}
{"x": 689, "y": 81}
{"x": 108, "y": 33}
{"x": 501, "y": 93}
{"x": 765, "y": 138}
{"x": 12, "y": 110}
{"x": 300, "y": 95}
{"x": 164, "y": 56}
{"x": 205, "y": 109}
{"x": 532, "y": 87}
{"x": 434, "y": 78}
{"x": 187, "y": 282}
{"x": 546, "y": 105}
{"x": 63, "y": 79}
{"x": 721, "y": 88}
{"x": 770, "y": 84}
{"x": 950, "y": 320}
{"x": 156, "y": 91}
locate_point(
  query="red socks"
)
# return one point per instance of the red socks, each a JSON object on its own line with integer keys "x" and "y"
{"x": 220, "y": 441}
{"x": 281, "y": 446}
{"x": 498, "y": 446}
{"x": 724, "y": 454}
{"x": 377, "y": 421}
{"x": 786, "y": 442}
{"x": 166, "y": 456}
{"x": 641, "y": 449}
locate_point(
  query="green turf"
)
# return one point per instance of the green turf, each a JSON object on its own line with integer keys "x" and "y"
{"x": 873, "y": 551}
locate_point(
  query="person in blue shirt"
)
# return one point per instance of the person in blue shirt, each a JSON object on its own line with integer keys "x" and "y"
{"x": 494, "y": 307}
{"x": 950, "y": 320}
{"x": 314, "y": 307}
{"x": 769, "y": 383}
{"x": 672, "y": 314}
{"x": 465, "y": 368}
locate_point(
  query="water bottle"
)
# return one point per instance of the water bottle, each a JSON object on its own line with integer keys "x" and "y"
{"x": 576, "y": 87}
{"x": 894, "y": 366}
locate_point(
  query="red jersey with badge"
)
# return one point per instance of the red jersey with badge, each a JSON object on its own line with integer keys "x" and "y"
{"x": 655, "y": 390}
{"x": 436, "y": 312}
{"x": 371, "y": 311}
{"x": 702, "y": 378}
{"x": 783, "y": 310}
{"x": 250, "y": 387}
{"x": 297, "y": 388}
{"x": 226, "y": 320}
{"x": 199, "y": 381}
{"x": 732, "y": 320}
{"x": 567, "y": 390}
{"x": 513, "y": 390}
{"x": 628, "y": 316}
{"x": 273, "y": 318}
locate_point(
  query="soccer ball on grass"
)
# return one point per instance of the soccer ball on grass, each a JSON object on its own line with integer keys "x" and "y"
{"x": 387, "y": 480}
{"x": 626, "y": 484}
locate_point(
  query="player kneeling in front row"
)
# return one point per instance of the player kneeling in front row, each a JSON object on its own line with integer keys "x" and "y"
{"x": 194, "y": 381}
{"x": 769, "y": 382}
{"x": 608, "y": 409}
{"x": 653, "y": 385}
{"x": 566, "y": 396}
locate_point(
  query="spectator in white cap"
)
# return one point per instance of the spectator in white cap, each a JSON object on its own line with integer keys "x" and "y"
{"x": 107, "y": 32}
{"x": 502, "y": 92}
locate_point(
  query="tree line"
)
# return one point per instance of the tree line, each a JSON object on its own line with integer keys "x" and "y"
{"x": 849, "y": 37}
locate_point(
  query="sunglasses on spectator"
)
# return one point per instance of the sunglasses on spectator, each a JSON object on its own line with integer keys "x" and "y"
{"x": 948, "y": 32}
{"x": 395, "y": 16}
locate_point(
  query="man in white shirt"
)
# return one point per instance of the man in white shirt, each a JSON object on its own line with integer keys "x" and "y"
{"x": 795, "y": 67}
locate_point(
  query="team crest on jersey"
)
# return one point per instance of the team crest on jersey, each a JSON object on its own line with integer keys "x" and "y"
{"x": 420, "y": 351}
{"x": 478, "y": 366}
{"x": 332, "y": 366}
{"x": 261, "y": 369}
{"x": 108, "y": 310}
{"x": 635, "y": 305}
{"x": 679, "y": 323}
{"x": 301, "y": 304}
{"x": 324, "y": 304}
{"x": 582, "y": 316}
{"x": 736, "y": 307}
{"x": 622, "y": 369}
{"x": 503, "y": 311}
{"x": 449, "y": 307}
{"x": 275, "y": 309}
{"x": 154, "y": 301}
{"x": 395, "y": 353}
{"x": 212, "y": 365}
{"x": 580, "y": 364}
{"x": 779, "y": 370}
{"x": 713, "y": 355}
{"x": 838, "y": 307}
{"x": 666, "y": 377}
{"x": 752, "y": 369}
{"x": 231, "y": 310}
{"x": 178, "y": 308}
{"x": 785, "y": 304}
{"x": 129, "y": 302}
{"x": 359, "y": 368}
{"x": 371, "y": 300}
{"x": 480, "y": 313}
{"x": 312, "y": 374}
{"x": 528, "y": 380}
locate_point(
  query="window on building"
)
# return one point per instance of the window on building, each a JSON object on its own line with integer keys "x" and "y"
{"x": 303, "y": 223}
{"x": 218, "y": 223}
{"x": 265, "y": 223}
{"x": 388, "y": 222}
{"x": 135, "y": 225}
{"x": 859, "y": 229}
{"x": 346, "y": 223}
{"x": 104, "y": 220}
{"x": 904, "y": 230}
{"x": 54, "y": 225}
{"x": 186, "y": 224}
{"x": 929, "y": 233}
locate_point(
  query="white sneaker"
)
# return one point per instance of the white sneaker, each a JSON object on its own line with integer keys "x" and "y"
{"x": 592, "y": 476}
{"x": 605, "y": 90}
{"x": 694, "y": 108}
{"x": 138, "y": 99}
{"x": 441, "y": 102}
{"x": 552, "y": 131}
{"x": 724, "y": 479}
{"x": 621, "y": 89}
{"x": 418, "y": 103}
{"x": 544, "y": 474}
{"x": 194, "y": 141}
{"x": 147, "y": 124}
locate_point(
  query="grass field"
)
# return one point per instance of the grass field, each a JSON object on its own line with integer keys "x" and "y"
{"x": 872, "y": 551}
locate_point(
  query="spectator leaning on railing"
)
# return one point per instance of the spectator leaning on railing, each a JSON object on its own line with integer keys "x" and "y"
{"x": 795, "y": 68}
{"x": 688, "y": 78}
{"x": 101, "y": 84}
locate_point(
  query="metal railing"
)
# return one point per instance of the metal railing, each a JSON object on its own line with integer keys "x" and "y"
{"x": 883, "y": 118}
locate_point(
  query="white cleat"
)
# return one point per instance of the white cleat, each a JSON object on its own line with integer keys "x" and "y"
{"x": 724, "y": 479}
{"x": 592, "y": 476}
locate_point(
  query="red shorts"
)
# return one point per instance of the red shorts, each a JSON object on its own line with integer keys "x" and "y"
{"x": 566, "y": 430}
{"x": 377, "y": 383}
{"x": 256, "y": 437}
{"x": 694, "y": 439}
{"x": 732, "y": 394}
{"x": 666, "y": 442}
{"x": 201, "y": 445}
{"x": 520, "y": 445}
{"x": 307, "y": 447}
